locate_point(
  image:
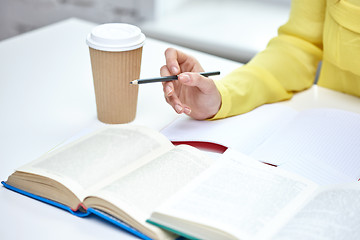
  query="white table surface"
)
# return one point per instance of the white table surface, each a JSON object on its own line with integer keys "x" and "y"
{"x": 47, "y": 96}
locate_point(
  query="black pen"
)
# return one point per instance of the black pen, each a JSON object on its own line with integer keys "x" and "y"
{"x": 169, "y": 78}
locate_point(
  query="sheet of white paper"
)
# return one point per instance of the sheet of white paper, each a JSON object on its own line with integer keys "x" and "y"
{"x": 327, "y": 139}
{"x": 243, "y": 132}
{"x": 318, "y": 172}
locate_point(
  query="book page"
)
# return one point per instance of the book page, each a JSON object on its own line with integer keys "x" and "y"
{"x": 320, "y": 138}
{"x": 92, "y": 159}
{"x": 243, "y": 132}
{"x": 140, "y": 192}
{"x": 332, "y": 214}
{"x": 237, "y": 195}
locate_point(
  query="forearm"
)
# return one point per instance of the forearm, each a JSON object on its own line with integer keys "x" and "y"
{"x": 247, "y": 88}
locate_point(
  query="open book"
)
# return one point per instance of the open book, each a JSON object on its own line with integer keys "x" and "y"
{"x": 119, "y": 172}
{"x": 240, "y": 198}
{"x": 320, "y": 144}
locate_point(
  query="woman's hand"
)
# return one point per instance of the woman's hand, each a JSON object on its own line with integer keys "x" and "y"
{"x": 192, "y": 94}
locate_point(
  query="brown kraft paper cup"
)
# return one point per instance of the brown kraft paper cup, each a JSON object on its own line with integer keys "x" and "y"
{"x": 115, "y": 53}
{"x": 116, "y": 98}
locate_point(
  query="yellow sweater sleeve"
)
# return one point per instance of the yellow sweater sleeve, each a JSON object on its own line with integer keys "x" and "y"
{"x": 287, "y": 65}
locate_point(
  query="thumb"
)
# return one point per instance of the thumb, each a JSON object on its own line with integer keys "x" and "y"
{"x": 204, "y": 84}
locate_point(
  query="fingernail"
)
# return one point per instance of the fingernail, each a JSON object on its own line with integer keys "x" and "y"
{"x": 168, "y": 90}
{"x": 178, "y": 108}
{"x": 174, "y": 70}
{"x": 187, "y": 110}
{"x": 185, "y": 78}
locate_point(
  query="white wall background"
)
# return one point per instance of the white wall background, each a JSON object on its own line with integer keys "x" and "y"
{"x": 199, "y": 24}
{"x": 18, "y": 16}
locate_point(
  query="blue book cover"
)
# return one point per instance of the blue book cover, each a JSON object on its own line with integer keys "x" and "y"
{"x": 81, "y": 212}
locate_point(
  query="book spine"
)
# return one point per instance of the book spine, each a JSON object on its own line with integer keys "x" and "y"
{"x": 118, "y": 223}
{"x": 45, "y": 200}
{"x": 80, "y": 213}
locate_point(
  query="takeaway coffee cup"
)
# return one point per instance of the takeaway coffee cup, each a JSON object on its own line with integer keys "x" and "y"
{"x": 115, "y": 53}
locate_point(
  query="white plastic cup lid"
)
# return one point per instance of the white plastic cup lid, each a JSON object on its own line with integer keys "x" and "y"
{"x": 115, "y": 37}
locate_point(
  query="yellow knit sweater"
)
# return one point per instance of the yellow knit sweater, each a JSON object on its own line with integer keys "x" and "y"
{"x": 327, "y": 30}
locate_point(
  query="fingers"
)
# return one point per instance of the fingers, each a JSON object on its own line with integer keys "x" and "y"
{"x": 177, "y": 62}
{"x": 172, "y": 99}
{"x": 204, "y": 84}
{"x": 167, "y": 86}
{"x": 164, "y": 71}
{"x": 168, "y": 89}
{"x": 173, "y": 58}
{"x": 175, "y": 102}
